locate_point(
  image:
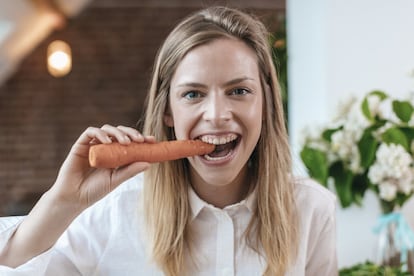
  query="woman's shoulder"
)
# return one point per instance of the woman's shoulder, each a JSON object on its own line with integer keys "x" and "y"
{"x": 311, "y": 195}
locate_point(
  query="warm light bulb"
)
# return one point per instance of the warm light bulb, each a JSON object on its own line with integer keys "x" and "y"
{"x": 59, "y": 58}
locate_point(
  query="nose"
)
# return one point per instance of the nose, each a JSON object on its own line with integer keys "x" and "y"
{"x": 217, "y": 110}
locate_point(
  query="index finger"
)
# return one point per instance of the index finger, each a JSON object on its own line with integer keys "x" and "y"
{"x": 93, "y": 133}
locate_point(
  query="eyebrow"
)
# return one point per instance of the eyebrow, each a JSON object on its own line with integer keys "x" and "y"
{"x": 231, "y": 82}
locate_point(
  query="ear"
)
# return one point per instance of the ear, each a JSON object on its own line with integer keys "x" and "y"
{"x": 168, "y": 119}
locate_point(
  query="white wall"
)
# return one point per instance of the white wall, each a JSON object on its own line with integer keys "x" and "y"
{"x": 339, "y": 48}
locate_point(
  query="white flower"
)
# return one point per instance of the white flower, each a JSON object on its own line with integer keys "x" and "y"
{"x": 355, "y": 161}
{"x": 374, "y": 102}
{"x": 388, "y": 191}
{"x": 392, "y": 171}
{"x": 344, "y": 145}
{"x": 376, "y": 173}
{"x": 311, "y": 137}
{"x": 406, "y": 184}
{"x": 310, "y": 134}
{"x": 380, "y": 131}
{"x": 344, "y": 108}
{"x": 356, "y": 119}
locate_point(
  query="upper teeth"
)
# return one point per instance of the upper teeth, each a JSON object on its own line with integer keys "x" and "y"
{"x": 218, "y": 140}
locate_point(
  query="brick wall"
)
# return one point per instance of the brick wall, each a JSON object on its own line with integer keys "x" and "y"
{"x": 40, "y": 116}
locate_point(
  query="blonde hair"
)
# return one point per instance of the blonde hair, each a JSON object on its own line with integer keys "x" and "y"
{"x": 273, "y": 230}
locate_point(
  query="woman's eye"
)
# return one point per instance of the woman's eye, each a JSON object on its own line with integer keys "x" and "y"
{"x": 192, "y": 95}
{"x": 239, "y": 91}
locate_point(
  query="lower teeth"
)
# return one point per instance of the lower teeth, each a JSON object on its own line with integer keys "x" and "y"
{"x": 210, "y": 158}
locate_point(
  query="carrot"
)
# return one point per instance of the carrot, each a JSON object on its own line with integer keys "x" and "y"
{"x": 115, "y": 155}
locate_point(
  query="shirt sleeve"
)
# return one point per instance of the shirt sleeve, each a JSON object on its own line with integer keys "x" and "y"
{"x": 317, "y": 214}
{"x": 79, "y": 250}
{"x": 39, "y": 265}
{"x": 7, "y": 227}
{"x": 322, "y": 252}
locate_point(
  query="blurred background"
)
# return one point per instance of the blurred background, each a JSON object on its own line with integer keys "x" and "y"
{"x": 334, "y": 49}
{"x": 112, "y": 43}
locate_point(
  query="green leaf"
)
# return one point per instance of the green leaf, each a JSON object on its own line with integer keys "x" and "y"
{"x": 343, "y": 183}
{"x": 403, "y": 109}
{"x": 316, "y": 163}
{"x": 381, "y": 94}
{"x": 365, "y": 106}
{"x": 370, "y": 269}
{"x": 360, "y": 185}
{"x": 402, "y": 198}
{"x": 327, "y": 134}
{"x": 394, "y": 135}
{"x": 408, "y": 132}
{"x": 377, "y": 124}
{"x": 365, "y": 110}
{"x": 367, "y": 147}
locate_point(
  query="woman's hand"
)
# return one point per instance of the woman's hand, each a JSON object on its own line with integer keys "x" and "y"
{"x": 77, "y": 187}
{"x": 78, "y": 183}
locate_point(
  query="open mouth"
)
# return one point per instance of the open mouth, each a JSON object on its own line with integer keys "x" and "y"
{"x": 225, "y": 146}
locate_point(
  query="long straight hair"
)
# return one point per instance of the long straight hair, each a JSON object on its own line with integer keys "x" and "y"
{"x": 273, "y": 229}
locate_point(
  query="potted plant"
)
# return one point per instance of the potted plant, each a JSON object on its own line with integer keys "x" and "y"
{"x": 369, "y": 145}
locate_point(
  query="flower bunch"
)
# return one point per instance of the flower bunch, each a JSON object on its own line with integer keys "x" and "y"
{"x": 367, "y": 146}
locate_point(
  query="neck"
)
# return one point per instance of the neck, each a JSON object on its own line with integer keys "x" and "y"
{"x": 224, "y": 195}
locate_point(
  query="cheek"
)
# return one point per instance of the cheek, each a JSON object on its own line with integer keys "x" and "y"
{"x": 183, "y": 122}
{"x": 254, "y": 118}
{"x": 254, "y": 112}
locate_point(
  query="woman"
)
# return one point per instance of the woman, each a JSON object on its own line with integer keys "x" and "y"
{"x": 236, "y": 211}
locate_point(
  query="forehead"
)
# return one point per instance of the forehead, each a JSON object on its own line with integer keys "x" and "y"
{"x": 219, "y": 59}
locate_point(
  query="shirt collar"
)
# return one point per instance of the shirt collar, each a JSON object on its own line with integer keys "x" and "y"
{"x": 197, "y": 204}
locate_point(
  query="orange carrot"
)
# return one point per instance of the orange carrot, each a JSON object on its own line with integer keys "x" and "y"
{"x": 115, "y": 155}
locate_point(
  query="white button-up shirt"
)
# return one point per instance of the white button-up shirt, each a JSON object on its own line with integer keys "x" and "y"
{"x": 108, "y": 238}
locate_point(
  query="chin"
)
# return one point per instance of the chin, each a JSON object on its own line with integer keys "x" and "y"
{"x": 218, "y": 176}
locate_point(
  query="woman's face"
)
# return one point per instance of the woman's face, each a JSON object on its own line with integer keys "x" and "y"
{"x": 216, "y": 96}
